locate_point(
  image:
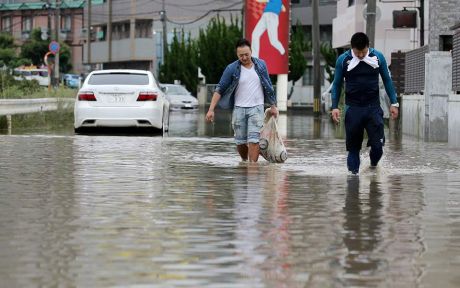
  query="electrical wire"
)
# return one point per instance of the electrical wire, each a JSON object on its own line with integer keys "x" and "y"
{"x": 223, "y": 9}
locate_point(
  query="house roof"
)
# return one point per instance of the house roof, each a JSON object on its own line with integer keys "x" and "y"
{"x": 65, "y": 4}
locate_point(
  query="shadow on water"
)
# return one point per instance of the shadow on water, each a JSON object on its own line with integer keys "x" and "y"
{"x": 120, "y": 131}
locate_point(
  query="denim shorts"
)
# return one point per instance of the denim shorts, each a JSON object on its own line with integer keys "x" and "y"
{"x": 247, "y": 122}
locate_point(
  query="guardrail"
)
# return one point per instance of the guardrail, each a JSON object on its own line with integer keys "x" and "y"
{"x": 24, "y": 106}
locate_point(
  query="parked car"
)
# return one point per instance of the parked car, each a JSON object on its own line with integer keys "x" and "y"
{"x": 28, "y": 73}
{"x": 179, "y": 97}
{"x": 121, "y": 98}
{"x": 72, "y": 80}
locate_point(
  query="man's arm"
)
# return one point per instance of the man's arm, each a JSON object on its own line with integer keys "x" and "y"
{"x": 273, "y": 108}
{"x": 337, "y": 89}
{"x": 388, "y": 84}
{"x": 215, "y": 99}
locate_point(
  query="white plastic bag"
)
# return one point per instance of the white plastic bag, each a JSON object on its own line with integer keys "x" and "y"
{"x": 270, "y": 143}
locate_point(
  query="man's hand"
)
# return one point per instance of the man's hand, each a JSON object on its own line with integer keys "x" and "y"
{"x": 274, "y": 111}
{"x": 210, "y": 116}
{"x": 336, "y": 115}
{"x": 394, "y": 112}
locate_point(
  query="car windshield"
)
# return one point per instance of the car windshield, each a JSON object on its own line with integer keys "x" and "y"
{"x": 177, "y": 90}
{"x": 119, "y": 79}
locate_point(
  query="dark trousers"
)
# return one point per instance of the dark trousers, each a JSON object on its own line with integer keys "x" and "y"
{"x": 358, "y": 120}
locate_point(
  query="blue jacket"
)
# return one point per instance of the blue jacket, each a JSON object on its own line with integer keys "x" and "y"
{"x": 229, "y": 82}
{"x": 362, "y": 82}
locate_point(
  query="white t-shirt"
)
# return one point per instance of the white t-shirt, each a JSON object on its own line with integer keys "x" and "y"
{"x": 249, "y": 92}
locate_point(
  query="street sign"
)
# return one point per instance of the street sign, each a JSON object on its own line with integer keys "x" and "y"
{"x": 54, "y": 47}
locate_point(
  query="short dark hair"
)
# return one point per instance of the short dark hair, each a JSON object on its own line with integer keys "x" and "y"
{"x": 359, "y": 41}
{"x": 242, "y": 42}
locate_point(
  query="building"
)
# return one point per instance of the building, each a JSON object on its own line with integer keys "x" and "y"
{"x": 21, "y": 17}
{"x": 130, "y": 34}
{"x": 351, "y": 16}
{"x": 302, "y": 13}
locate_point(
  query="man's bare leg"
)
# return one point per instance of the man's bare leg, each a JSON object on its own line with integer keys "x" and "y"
{"x": 243, "y": 151}
{"x": 253, "y": 152}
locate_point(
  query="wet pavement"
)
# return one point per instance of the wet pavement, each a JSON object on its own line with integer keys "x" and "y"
{"x": 183, "y": 211}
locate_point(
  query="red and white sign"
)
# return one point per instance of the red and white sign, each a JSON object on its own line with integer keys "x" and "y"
{"x": 267, "y": 28}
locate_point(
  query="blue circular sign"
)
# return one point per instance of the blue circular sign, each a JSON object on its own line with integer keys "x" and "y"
{"x": 54, "y": 47}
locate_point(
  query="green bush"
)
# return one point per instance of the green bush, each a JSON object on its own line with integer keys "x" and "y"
{"x": 11, "y": 88}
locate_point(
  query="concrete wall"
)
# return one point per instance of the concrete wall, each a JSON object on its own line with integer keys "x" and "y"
{"x": 413, "y": 115}
{"x": 454, "y": 120}
{"x": 438, "y": 86}
{"x": 434, "y": 116}
{"x": 443, "y": 15}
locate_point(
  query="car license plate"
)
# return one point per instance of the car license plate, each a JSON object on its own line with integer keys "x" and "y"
{"x": 188, "y": 105}
{"x": 117, "y": 99}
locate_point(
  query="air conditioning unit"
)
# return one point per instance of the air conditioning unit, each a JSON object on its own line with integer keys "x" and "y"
{"x": 25, "y": 35}
{"x": 83, "y": 33}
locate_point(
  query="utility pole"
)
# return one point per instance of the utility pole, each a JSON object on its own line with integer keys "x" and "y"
{"x": 163, "y": 20}
{"x": 370, "y": 21}
{"x": 57, "y": 28}
{"x": 316, "y": 60}
{"x": 109, "y": 32}
{"x": 88, "y": 35}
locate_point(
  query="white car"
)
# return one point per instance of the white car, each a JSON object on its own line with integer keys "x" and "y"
{"x": 121, "y": 98}
{"x": 179, "y": 97}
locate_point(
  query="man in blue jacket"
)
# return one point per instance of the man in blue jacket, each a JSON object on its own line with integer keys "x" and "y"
{"x": 244, "y": 87}
{"x": 361, "y": 67}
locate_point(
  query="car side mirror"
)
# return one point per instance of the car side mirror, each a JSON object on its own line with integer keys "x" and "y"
{"x": 164, "y": 89}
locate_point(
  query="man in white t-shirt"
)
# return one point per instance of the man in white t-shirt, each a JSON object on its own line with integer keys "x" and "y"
{"x": 245, "y": 86}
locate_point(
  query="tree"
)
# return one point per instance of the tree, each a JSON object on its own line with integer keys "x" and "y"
{"x": 297, "y": 61}
{"x": 7, "y": 50}
{"x": 180, "y": 63}
{"x": 35, "y": 49}
{"x": 330, "y": 56}
{"x": 216, "y": 46}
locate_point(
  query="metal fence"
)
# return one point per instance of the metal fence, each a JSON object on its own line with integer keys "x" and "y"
{"x": 456, "y": 61}
{"x": 414, "y": 77}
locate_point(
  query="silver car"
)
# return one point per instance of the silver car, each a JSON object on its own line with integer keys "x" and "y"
{"x": 179, "y": 97}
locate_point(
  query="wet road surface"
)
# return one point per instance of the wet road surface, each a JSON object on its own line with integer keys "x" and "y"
{"x": 183, "y": 211}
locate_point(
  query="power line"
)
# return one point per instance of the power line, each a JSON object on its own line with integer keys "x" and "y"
{"x": 223, "y": 9}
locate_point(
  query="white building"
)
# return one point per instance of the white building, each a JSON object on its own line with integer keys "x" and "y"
{"x": 351, "y": 18}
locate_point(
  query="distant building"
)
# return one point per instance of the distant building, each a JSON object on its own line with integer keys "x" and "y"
{"x": 351, "y": 19}
{"x": 136, "y": 37}
{"x": 21, "y": 17}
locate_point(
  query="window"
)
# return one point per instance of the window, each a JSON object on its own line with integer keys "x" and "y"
{"x": 119, "y": 79}
{"x": 445, "y": 42}
{"x": 308, "y": 76}
{"x": 26, "y": 23}
{"x": 351, "y": 3}
{"x": 6, "y": 24}
{"x": 66, "y": 24}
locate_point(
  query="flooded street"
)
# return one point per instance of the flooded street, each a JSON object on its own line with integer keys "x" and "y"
{"x": 183, "y": 211}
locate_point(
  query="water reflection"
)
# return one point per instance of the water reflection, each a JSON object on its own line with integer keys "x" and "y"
{"x": 362, "y": 232}
{"x": 183, "y": 211}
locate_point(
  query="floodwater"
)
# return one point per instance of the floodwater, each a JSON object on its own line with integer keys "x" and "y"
{"x": 183, "y": 211}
